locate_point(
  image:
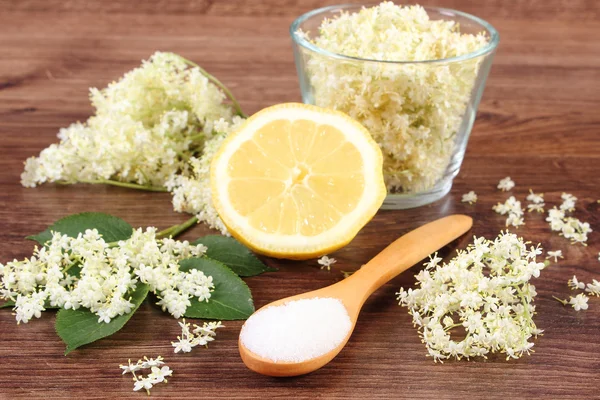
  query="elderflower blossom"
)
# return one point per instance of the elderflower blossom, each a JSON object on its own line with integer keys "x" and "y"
{"x": 535, "y": 207}
{"x": 199, "y": 336}
{"x": 326, "y": 262}
{"x": 535, "y": 198}
{"x": 414, "y": 111}
{"x": 144, "y": 126}
{"x": 142, "y": 364}
{"x": 152, "y": 362}
{"x": 157, "y": 375}
{"x": 484, "y": 289}
{"x": 574, "y": 284}
{"x": 470, "y": 197}
{"x": 142, "y": 383}
{"x": 593, "y": 288}
{"x": 191, "y": 193}
{"x": 131, "y": 368}
{"x": 536, "y": 202}
{"x": 568, "y": 203}
{"x": 512, "y": 208}
{"x": 109, "y": 273}
{"x": 556, "y": 254}
{"x": 569, "y": 227}
{"x": 506, "y": 184}
{"x": 579, "y": 302}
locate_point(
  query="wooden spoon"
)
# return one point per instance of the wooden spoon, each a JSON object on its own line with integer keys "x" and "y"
{"x": 354, "y": 290}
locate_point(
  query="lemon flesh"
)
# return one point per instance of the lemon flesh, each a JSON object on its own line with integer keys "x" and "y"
{"x": 297, "y": 181}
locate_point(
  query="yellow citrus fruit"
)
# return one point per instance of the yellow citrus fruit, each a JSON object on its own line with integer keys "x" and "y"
{"x": 297, "y": 181}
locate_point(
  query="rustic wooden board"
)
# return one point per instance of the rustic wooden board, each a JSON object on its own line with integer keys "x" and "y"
{"x": 538, "y": 123}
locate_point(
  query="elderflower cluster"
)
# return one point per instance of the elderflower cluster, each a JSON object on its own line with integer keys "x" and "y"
{"x": 199, "y": 336}
{"x": 192, "y": 193}
{"x": 484, "y": 290}
{"x": 107, "y": 274}
{"x": 159, "y": 373}
{"x": 145, "y": 125}
{"x": 512, "y": 208}
{"x": 569, "y": 227}
{"x": 414, "y": 111}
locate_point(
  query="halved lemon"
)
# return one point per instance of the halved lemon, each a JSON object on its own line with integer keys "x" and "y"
{"x": 297, "y": 181}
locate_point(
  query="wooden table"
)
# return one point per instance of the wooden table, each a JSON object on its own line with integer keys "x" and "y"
{"x": 539, "y": 122}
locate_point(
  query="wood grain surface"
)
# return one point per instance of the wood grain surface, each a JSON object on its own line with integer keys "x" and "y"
{"x": 539, "y": 122}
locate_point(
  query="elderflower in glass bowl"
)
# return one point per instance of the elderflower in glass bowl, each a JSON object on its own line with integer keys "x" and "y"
{"x": 412, "y": 76}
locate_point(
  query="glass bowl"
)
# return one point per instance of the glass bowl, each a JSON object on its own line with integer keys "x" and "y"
{"x": 428, "y": 110}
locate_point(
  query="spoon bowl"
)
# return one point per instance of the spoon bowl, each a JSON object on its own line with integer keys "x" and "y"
{"x": 354, "y": 290}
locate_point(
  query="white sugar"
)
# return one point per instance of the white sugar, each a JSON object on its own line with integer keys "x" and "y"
{"x": 298, "y": 330}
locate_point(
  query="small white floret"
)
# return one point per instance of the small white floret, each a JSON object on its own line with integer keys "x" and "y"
{"x": 326, "y": 262}
{"x": 470, "y": 197}
{"x": 506, "y": 184}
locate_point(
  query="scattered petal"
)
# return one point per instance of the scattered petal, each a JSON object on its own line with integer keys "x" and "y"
{"x": 326, "y": 262}
{"x": 579, "y": 302}
{"x": 470, "y": 197}
{"x": 506, "y": 184}
{"x": 512, "y": 208}
{"x": 157, "y": 375}
{"x": 535, "y": 198}
{"x": 593, "y": 288}
{"x": 199, "y": 336}
{"x": 574, "y": 284}
{"x": 554, "y": 254}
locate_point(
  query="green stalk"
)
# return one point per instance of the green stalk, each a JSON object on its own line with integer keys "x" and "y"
{"x": 124, "y": 184}
{"x": 214, "y": 80}
{"x": 522, "y": 297}
{"x": 176, "y": 230}
{"x": 171, "y": 231}
{"x": 564, "y": 302}
{"x": 197, "y": 137}
{"x": 452, "y": 326}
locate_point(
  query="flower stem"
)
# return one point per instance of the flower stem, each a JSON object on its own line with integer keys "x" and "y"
{"x": 214, "y": 80}
{"x": 122, "y": 184}
{"x": 176, "y": 230}
{"x": 524, "y": 301}
{"x": 564, "y": 302}
{"x": 446, "y": 329}
{"x": 171, "y": 231}
{"x": 197, "y": 137}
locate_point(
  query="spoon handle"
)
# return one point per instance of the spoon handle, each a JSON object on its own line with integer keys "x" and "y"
{"x": 408, "y": 250}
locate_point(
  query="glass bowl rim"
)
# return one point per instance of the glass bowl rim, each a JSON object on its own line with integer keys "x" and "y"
{"x": 488, "y": 48}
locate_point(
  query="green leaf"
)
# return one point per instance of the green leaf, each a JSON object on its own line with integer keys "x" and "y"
{"x": 75, "y": 270}
{"x": 233, "y": 254}
{"x": 231, "y": 298}
{"x": 111, "y": 228}
{"x": 7, "y": 304}
{"x": 79, "y": 327}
